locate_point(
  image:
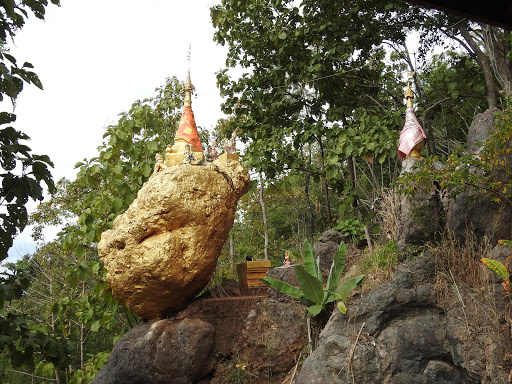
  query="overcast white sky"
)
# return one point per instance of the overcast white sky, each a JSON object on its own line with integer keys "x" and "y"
{"x": 95, "y": 58}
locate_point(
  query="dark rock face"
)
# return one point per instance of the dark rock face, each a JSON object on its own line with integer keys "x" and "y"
{"x": 166, "y": 351}
{"x": 325, "y": 247}
{"x": 286, "y": 274}
{"x": 198, "y": 344}
{"x": 397, "y": 333}
{"x": 482, "y": 125}
{"x": 478, "y": 214}
{"x": 273, "y": 335}
{"x": 469, "y": 211}
{"x": 420, "y": 215}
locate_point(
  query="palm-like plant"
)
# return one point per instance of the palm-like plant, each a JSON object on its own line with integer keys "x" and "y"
{"x": 312, "y": 293}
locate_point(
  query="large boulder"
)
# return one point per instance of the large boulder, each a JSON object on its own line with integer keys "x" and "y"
{"x": 163, "y": 250}
{"x": 480, "y": 128}
{"x": 420, "y": 215}
{"x": 325, "y": 248}
{"x": 471, "y": 210}
{"x": 286, "y": 274}
{"x": 272, "y": 337}
{"x": 400, "y": 333}
{"x": 163, "y": 352}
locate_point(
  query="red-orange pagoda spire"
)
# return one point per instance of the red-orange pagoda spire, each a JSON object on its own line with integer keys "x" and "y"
{"x": 187, "y": 129}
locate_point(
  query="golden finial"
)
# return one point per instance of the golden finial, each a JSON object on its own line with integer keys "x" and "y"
{"x": 409, "y": 95}
{"x": 188, "y": 87}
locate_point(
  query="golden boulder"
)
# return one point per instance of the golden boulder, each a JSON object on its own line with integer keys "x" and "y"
{"x": 163, "y": 250}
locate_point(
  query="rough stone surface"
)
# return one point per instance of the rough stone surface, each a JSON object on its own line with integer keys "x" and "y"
{"x": 273, "y": 335}
{"x": 163, "y": 250}
{"x": 163, "y": 352}
{"x": 420, "y": 216}
{"x": 205, "y": 340}
{"x": 399, "y": 333}
{"x": 225, "y": 314}
{"x": 481, "y": 126}
{"x": 286, "y": 274}
{"x": 473, "y": 212}
{"x": 325, "y": 248}
{"x": 479, "y": 215}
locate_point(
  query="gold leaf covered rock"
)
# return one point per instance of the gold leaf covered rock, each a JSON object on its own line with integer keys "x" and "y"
{"x": 163, "y": 250}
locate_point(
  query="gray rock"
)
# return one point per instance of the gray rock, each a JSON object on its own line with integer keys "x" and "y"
{"x": 166, "y": 351}
{"x": 470, "y": 211}
{"x": 273, "y": 337}
{"x": 481, "y": 126}
{"x": 420, "y": 215}
{"x": 286, "y": 274}
{"x": 325, "y": 248}
{"x": 477, "y": 214}
{"x": 404, "y": 336}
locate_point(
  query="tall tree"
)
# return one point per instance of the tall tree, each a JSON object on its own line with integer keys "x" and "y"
{"x": 22, "y": 172}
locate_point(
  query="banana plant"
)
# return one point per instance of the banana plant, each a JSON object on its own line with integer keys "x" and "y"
{"x": 500, "y": 269}
{"x": 312, "y": 293}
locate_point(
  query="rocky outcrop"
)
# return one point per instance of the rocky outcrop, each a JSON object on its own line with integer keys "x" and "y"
{"x": 163, "y": 250}
{"x": 480, "y": 128}
{"x": 205, "y": 341}
{"x": 429, "y": 212}
{"x": 420, "y": 215}
{"x": 399, "y": 333}
{"x": 470, "y": 211}
{"x": 286, "y": 274}
{"x": 273, "y": 335}
{"x": 325, "y": 247}
{"x": 163, "y": 352}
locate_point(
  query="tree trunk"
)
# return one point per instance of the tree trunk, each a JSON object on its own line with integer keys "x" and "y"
{"x": 264, "y": 213}
{"x": 483, "y": 61}
{"x": 352, "y": 176}
{"x": 310, "y": 208}
{"x": 308, "y": 201}
{"x": 232, "y": 252}
{"x": 326, "y": 187}
{"x": 497, "y": 46}
{"x": 82, "y": 334}
{"x": 350, "y": 166}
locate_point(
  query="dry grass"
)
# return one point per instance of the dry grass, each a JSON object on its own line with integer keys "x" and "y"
{"x": 458, "y": 263}
{"x": 389, "y": 213}
{"x": 378, "y": 265}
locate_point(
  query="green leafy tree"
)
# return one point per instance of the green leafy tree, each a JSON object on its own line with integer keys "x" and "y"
{"x": 22, "y": 172}
{"x": 317, "y": 96}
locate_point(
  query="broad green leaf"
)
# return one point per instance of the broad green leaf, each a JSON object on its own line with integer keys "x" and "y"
{"x": 508, "y": 243}
{"x": 329, "y": 296}
{"x": 309, "y": 259}
{"x": 497, "y": 267}
{"x": 337, "y": 266}
{"x": 318, "y": 269}
{"x": 310, "y": 285}
{"x": 283, "y": 287}
{"x": 347, "y": 286}
{"x": 315, "y": 309}
{"x": 95, "y": 326}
